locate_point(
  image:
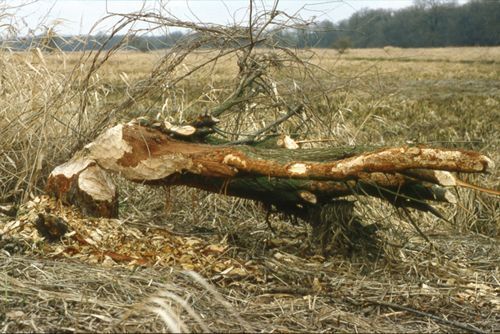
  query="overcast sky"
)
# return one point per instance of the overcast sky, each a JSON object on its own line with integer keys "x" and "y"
{"x": 78, "y": 16}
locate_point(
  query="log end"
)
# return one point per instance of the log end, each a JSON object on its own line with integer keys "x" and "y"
{"x": 85, "y": 185}
{"x": 450, "y": 198}
{"x": 308, "y": 196}
{"x": 445, "y": 178}
{"x": 287, "y": 142}
{"x": 488, "y": 164}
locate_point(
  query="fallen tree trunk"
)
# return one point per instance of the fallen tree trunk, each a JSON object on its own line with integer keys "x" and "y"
{"x": 294, "y": 181}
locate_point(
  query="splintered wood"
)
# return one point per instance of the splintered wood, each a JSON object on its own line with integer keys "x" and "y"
{"x": 111, "y": 242}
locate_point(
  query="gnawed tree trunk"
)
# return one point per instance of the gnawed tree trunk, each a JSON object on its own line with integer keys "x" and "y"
{"x": 303, "y": 183}
{"x": 293, "y": 181}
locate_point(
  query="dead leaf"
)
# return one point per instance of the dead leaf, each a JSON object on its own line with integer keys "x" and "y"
{"x": 215, "y": 249}
{"x": 16, "y": 314}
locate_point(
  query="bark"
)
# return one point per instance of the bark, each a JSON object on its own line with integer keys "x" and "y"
{"x": 294, "y": 181}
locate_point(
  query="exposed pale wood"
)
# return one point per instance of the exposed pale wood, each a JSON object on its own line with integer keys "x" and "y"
{"x": 440, "y": 177}
{"x": 82, "y": 182}
{"x": 182, "y": 130}
{"x": 287, "y": 142}
{"x": 308, "y": 196}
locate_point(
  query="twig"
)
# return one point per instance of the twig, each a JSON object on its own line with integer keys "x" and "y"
{"x": 235, "y": 97}
{"x": 323, "y": 140}
{"x": 477, "y": 188}
{"x": 451, "y": 323}
{"x": 290, "y": 290}
{"x": 277, "y": 122}
{"x": 268, "y": 213}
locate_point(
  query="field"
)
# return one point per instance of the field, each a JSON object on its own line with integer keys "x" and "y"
{"x": 247, "y": 278}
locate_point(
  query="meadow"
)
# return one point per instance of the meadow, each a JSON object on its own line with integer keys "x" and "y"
{"x": 247, "y": 278}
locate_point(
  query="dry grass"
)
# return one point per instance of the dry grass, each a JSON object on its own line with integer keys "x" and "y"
{"x": 447, "y": 97}
{"x": 450, "y": 54}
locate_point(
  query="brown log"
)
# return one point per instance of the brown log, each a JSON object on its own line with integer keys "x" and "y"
{"x": 286, "y": 178}
{"x": 143, "y": 153}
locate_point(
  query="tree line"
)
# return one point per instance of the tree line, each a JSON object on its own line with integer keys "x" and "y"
{"x": 425, "y": 24}
{"x": 428, "y": 23}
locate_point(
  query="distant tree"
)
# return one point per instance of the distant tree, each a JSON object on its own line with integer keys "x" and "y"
{"x": 325, "y": 31}
{"x": 342, "y": 44}
{"x": 171, "y": 38}
{"x": 427, "y": 4}
{"x": 428, "y": 23}
{"x": 138, "y": 43}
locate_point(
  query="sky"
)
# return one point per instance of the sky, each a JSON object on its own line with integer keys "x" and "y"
{"x": 73, "y": 17}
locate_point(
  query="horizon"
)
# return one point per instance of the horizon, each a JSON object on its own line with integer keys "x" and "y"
{"x": 78, "y": 17}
